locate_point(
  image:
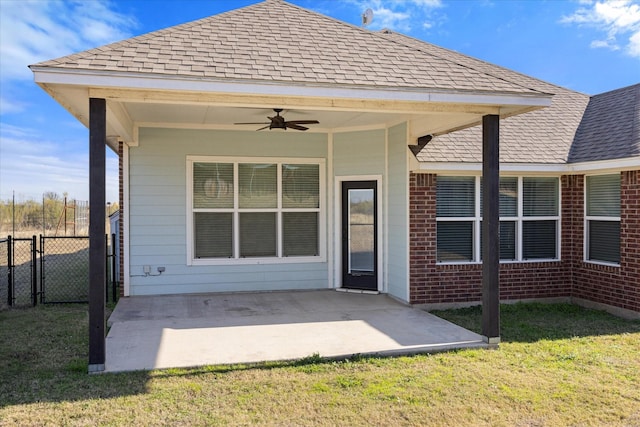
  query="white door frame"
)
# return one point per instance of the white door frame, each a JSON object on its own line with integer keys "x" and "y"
{"x": 337, "y": 227}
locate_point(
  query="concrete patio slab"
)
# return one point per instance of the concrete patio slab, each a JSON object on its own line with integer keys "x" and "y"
{"x": 156, "y": 332}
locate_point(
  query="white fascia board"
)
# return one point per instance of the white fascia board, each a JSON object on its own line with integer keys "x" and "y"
{"x": 473, "y": 168}
{"x": 47, "y": 75}
{"x": 615, "y": 165}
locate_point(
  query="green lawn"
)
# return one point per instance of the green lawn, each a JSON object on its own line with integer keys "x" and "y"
{"x": 557, "y": 365}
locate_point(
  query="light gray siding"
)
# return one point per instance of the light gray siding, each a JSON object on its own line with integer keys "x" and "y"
{"x": 158, "y": 215}
{"x": 398, "y": 224}
{"x": 359, "y": 153}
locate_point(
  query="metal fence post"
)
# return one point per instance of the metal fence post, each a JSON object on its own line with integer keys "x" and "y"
{"x": 41, "y": 269}
{"x": 34, "y": 272}
{"x": 114, "y": 279}
{"x": 106, "y": 268}
{"x": 10, "y": 271}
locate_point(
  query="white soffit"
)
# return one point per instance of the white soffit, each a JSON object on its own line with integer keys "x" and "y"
{"x": 45, "y": 75}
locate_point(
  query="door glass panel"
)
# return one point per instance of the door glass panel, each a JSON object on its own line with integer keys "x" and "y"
{"x": 361, "y": 232}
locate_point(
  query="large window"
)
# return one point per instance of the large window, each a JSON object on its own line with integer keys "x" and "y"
{"x": 255, "y": 209}
{"x": 602, "y": 208}
{"x": 529, "y": 218}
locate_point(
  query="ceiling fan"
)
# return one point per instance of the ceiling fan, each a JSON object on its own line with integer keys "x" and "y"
{"x": 278, "y": 122}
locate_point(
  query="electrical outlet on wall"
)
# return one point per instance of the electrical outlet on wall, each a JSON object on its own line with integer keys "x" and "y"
{"x": 146, "y": 269}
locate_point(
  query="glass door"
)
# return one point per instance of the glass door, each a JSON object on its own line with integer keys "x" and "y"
{"x": 359, "y": 235}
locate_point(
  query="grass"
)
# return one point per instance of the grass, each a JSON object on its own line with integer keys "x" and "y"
{"x": 557, "y": 365}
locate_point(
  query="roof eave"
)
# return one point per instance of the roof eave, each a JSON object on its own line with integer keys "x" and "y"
{"x": 99, "y": 79}
{"x": 596, "y": 166}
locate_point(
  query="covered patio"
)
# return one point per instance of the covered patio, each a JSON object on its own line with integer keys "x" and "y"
{"x": 192, "y": 95}
{"x": 170, "y": 331}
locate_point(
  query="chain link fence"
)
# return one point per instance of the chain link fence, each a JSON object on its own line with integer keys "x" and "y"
{"x": 54, "y": 215}
{"x": 51, "y": 269}
{"x": 4, "y": 273}
{"x": 64, "y": 269}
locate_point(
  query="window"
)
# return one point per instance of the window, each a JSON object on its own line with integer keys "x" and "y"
{"x": 602, "y": 208}
{"x": 529, "y": 218}
{"x": 255, "y": 209}
{"x": 456, "y": 212}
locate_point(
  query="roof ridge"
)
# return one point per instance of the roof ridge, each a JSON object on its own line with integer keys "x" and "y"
{"x": 141, "y": 37}
{"x": 388, "y": 31}
{"x": 617, "y": 89}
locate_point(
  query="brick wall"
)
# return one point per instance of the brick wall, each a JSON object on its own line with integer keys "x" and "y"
{"x": 616, "y": 286}
{"x": 431, "y": 283}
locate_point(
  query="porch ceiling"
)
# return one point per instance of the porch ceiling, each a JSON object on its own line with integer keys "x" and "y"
{"x": 427, "y": 112}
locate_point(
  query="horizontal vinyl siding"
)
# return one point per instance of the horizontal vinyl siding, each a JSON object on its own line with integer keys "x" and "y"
{"x": 398, "y": 275}
{"x": 157, "y": 176}
{"x": 359, "y": 153}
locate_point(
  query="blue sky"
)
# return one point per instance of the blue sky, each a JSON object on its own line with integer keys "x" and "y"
{"x": 589, "y": 46}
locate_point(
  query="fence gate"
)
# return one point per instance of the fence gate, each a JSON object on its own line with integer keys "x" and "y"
{"x": 18, "y": 272}
{"x": 55, "y": 271}
{"x": 64, "y": 269}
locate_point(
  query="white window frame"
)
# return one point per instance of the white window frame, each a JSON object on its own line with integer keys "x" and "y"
{"x": 236, "y": 210}
{"x": 519, "y": 219}
{"x": 587, "y": 219}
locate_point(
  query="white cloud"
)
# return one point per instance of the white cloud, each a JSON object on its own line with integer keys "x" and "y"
{"x": 634, "y": 45}
{"x": 616, "y": 18}
{"x": 9, "y": 106}
{"x": 32, "y": 165}
{"x": 37, "y": 30}
{"x": 400, "y": 15}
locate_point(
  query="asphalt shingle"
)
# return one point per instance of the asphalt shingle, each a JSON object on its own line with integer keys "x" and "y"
{"x": 610, "y": 127}
{"x": 277, "y": 41}
{"x": 541, "y": 136}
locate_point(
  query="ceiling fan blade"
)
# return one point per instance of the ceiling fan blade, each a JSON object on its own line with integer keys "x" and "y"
{"x": 254, "y": 123}
{"x": 295, "y": 126}
{"x": 263, "y": 127}
{"x": 304, "y": 122}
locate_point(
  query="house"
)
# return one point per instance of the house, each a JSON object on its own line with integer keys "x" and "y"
{"x": 381, "y": 193}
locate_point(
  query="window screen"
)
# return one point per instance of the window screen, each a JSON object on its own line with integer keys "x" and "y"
{"x": 213, "y": 235}
{"x": 257, "y": 234}
{"x": 604, "y": 241}
{"x": 455, "y": 241}
{"x": 539, "y": 240}
{"x": 300, "y": 234}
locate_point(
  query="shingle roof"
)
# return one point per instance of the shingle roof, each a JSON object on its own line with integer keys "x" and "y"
{"x": 610, "y": 127}
{"x": 541, "y": 136}
{"x": 275, "y": 41}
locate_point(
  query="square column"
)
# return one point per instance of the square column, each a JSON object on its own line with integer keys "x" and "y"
{"x": 491, "y": 228}
{"x": 97, "y": 237}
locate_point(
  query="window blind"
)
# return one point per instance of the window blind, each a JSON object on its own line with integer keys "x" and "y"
{"x": 540, "y": 196}
{"x": 258, "y": 186}
{"x": 213, "y": 235}
{"x": 604, "y": 241}
{"x": 257, "y": 234}
{"x": 455, "y": 196}
{"x": 539, "y": 239}
{"x": 454, "y": 241}
{"x": 212, "y": 185}
{"x": 300, "y": 234}
{"x": 508, "y": 197}
{"x": 507, "y": 240}
{"x": 300, "y": 186}
{"x": 603, "y": 195}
